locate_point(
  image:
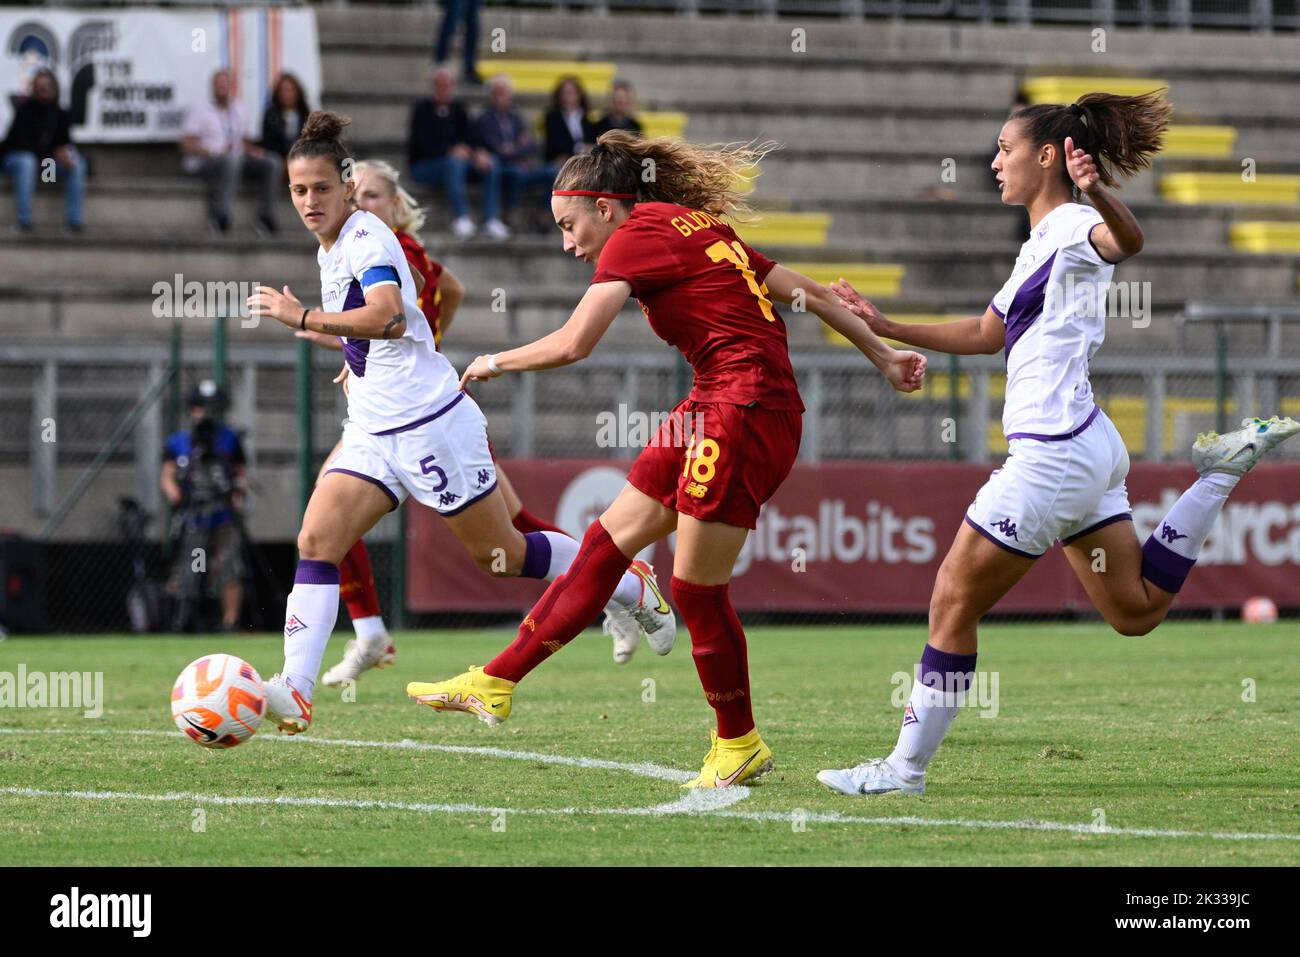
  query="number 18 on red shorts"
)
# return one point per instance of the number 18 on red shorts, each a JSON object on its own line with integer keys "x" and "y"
{"x": 718, "y": 462}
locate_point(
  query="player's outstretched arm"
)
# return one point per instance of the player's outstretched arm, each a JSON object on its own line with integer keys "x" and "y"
{"x": 568, "y": 344}
{"x": 382, "y": 317}
{"x": 904, "y": 370}
{"x": 978, "y": 335}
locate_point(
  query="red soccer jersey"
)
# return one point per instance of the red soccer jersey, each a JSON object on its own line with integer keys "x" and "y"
{"x": 430, "y": 296}
{"x": 702, "y": 289}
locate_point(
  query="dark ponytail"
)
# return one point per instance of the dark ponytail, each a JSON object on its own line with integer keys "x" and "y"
{"x": 1121, "y": 133}
{"x": 322, "y": 135}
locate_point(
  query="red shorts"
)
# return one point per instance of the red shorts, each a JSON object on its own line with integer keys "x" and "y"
{"x": 718, "y": 462}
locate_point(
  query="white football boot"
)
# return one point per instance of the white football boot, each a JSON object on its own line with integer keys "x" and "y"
{"x": 622, "y": 627}
{"x": 651, "y": 617}
{"x": 1238, "y": 452}
{"x": 286, "y": 707}
{"x": 877, "y": 776}
{"x": 361, "y": 654}
{"x": 652, "y": 612}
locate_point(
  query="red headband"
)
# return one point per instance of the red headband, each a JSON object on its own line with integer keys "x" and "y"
{"x": 591, "y": 192}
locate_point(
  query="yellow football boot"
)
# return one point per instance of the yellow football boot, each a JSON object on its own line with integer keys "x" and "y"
{"x": 475, "y": 692}
{"x": 731, "y": 761}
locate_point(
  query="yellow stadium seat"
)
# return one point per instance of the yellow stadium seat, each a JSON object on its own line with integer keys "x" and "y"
{"x": 786, "y": 229}
{"x": 541, "y": 76}
{"x": 663, "y": 123}
{"x": 882, "y": 280}
{"x": 1067, "y": 89}
{"x": 1265, "y": 188}
{"x": 1206, "y": 141}
{"x": 1266, "y": 237}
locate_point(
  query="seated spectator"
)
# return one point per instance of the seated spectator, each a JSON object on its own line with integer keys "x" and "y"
{"x": 39, "y": 133}
{"x": 284, "y": 115}
{"x": 440, "y": 156}
{"x": 502, "y": 131}
{"x": 622, "y": 101}
{"x": 568, "y": 131}
{"x": 214, "y": 148}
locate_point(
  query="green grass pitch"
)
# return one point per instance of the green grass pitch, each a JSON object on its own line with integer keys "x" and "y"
{"x": 1140, "y": 735}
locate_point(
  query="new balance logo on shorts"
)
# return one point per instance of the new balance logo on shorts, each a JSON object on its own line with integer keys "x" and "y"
{"x": 292, "y": 625}
{"x": 1006, "y": 527}
{"x": 1169, "y": 533}
{"x": 909, "y": 716}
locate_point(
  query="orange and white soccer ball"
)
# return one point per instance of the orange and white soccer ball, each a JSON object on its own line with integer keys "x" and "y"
{"x": 218, "y": 701}
{"x": 1259, "y": 611}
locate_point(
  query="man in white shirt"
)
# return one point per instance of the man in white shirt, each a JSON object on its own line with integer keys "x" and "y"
{"x": 215, "y": 147}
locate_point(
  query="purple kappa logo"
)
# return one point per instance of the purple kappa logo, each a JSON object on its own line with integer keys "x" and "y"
{"x": 292, "y": 625}
{"x": 1169, "y": 533}
{"x": 483, "y": 475}
{"x": 1006, "y": 527}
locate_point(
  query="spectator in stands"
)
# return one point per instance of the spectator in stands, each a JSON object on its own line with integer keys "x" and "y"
{"x": 502, "y": 131}
{"x": 215, "y": 148}
{"x": 37, "y": 137}
{"x": 622, "y": 101}
{"x": 568, "y": 130}
{"x": 284, "y": 115}
{"x": 440, "y": 156}
{"x": 203, "y": 478}
{"x": 454, "y": 11}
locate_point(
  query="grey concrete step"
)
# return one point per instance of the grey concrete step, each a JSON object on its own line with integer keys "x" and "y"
{"x": 175, "y": 206}
{"x": 524, "y": 263}
{"x": 580, "y": 31}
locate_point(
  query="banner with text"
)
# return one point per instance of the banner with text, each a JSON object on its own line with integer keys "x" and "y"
{"x": 869, "y": 537}
{"x": 129, "y": 75}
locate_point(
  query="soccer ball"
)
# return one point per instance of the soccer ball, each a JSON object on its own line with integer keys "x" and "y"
{"x": 1259, "y": 611}
{"x": 218, "y": 701}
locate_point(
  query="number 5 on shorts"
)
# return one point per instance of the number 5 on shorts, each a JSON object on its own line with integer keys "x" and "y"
{"x": 428, "y": 468}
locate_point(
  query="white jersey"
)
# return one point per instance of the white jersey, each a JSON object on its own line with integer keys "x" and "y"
{"x": 1054, "y": 308}
{"x": 393, "y": 383}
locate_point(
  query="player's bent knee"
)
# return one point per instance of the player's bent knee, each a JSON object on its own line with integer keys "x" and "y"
{"x": 1135, "y": 626}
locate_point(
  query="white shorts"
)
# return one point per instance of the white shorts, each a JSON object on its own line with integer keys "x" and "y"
{"x": 444, "y": 460}
{"x": 1050, "y": 489}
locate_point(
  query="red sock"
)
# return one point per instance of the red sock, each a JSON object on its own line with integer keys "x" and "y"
{"x": 357, "y": 583}
{"x": 526, "y": 522}
{"x": 569, "y": 605}
{"x": 721, "y": 658}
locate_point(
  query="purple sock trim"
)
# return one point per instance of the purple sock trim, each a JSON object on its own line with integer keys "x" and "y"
{"x": 537, "y": 555}
{"x": 946, "y": 671}
{"x": 312, "y": 572}
{"x": 1163, "y": 568}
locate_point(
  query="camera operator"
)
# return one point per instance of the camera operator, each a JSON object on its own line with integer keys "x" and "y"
{"x": 203, "y": 477}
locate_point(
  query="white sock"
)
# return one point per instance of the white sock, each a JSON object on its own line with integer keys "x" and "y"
{"x": 310, "y": 614}
{"x": 370, "y": 628}
{"x": 563, "y": 550}
{"x": 1184, "y": 530}
{"x": 629, "y": 590}
{"x": 926, "y": 719}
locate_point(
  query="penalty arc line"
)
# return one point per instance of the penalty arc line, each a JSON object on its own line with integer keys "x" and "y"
{"x": 698, "y": 802}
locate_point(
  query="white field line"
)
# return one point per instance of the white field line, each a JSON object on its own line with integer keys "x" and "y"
{"x": 714, "y": 803}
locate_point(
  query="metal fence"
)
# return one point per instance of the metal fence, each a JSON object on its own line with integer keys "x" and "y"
{"x": 82, "y": 430}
